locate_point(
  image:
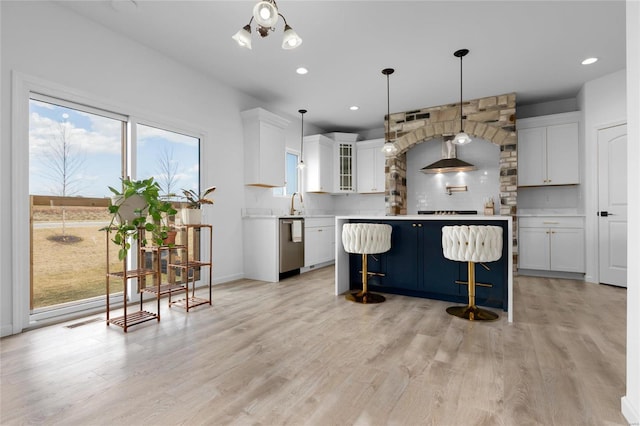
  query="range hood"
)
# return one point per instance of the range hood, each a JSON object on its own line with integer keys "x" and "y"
{"x": 449, "y": 162}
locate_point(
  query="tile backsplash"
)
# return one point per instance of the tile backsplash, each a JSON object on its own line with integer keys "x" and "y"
{"x": 429, "y": 191}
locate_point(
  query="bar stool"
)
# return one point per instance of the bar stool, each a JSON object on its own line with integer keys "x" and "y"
{"x": 471, "y": 244}
{"x": 365, "y": 239}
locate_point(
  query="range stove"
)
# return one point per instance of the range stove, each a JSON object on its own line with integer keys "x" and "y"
{"x": 447, "y": 212}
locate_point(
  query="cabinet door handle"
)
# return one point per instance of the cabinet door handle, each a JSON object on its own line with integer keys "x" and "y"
{"x": 550, "y": 223}
{"x": 319, "y": 230}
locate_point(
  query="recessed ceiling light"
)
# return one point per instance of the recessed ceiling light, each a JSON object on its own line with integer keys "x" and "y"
{"x": 354, "y": 107}
{"x": 589, "y": 61}
{"x": 302, "y": 70}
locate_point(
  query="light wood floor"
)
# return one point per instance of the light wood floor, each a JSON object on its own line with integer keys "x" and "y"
{"x": 293, "y": 353}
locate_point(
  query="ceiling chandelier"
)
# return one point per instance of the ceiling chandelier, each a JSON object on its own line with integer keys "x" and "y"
{"x": 389, "y": 147}
{"x": 266, "y": 14}
{"x": 461, "y": 138}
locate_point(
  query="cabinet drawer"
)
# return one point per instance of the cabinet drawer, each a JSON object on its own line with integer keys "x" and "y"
{"x": 311, "y": 222}
{"x": 551, "y": 222}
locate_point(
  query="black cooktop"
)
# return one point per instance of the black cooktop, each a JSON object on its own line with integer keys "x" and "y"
{"x": 447, "y": 212}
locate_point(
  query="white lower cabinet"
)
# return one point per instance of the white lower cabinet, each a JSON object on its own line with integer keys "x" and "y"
{"x": 319, "y": 243}
{"x": 551, "y": 243}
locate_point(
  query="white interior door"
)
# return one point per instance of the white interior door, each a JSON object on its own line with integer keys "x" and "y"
{"x": 612, "y": 205}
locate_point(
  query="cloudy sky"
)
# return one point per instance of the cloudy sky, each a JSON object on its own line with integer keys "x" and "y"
{"x": 93, "y": 153}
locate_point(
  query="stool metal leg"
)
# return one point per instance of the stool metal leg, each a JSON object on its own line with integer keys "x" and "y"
{"x": 471, "y": 311}
{"x": 364, "y": 296}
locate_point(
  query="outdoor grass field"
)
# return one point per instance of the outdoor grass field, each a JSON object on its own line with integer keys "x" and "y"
{"x": 72, "y": 269}
{"x": 66, "y": 272}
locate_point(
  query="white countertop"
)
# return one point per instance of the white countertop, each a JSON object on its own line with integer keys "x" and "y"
{"x": 428, "y": 217}
{"x": 275, "y": 216}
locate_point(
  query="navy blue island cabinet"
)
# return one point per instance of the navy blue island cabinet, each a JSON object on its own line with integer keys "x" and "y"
{"x": 415, "y": 265}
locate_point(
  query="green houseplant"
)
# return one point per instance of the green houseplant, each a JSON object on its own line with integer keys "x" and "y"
{"x": 138, "y": 205}
{"x": 191, "y": 214}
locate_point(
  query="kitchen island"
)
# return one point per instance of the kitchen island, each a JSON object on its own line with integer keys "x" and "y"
{"x": 415, "y": 265}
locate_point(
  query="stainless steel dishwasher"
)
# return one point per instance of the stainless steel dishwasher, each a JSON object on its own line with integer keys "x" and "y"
{"x": 291, "y": 245}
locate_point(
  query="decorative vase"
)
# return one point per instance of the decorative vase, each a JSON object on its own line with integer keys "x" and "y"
{"x": 191, "y": 216}
{"x": 129, "y": 208}
{"x": 171, "y": 237}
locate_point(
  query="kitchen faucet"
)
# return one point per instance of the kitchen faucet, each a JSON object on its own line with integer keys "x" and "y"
{"x": 292, "y": 210}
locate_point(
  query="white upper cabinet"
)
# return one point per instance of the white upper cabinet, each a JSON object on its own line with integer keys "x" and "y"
{"x": 548, "y": 150}
{"x": 318, "y": 157}
{"x": 264, "y": 148}
{"x": 370, "y": 167}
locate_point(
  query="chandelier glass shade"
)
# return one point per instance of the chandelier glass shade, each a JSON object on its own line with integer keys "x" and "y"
{"x": 265, "y": 15}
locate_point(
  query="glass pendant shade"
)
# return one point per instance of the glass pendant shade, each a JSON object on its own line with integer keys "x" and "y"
{"x": 461, "y": 139}
{"x": 243, "y": 37}
{"x": 389, "y": 148}
{"x": 291, "y": 39}
{"x": 301, "y": 165}
{"x": 266, "y": 14}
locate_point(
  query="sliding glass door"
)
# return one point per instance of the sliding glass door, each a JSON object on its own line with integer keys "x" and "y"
{"x": 75, "y": 153}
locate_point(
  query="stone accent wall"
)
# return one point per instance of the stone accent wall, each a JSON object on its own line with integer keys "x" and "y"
{"x": 492, "y": 118}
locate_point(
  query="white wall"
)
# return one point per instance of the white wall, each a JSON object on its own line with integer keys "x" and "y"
{"x": 547, "y": 108}
{"x": 631, "y": 401}
{"x": 53, "y": 44}
{"x": 603, "y": 103}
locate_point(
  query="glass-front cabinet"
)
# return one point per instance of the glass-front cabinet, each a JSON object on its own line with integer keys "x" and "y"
{"x": 345, "y": 162}
{"x": 345, "y": 167}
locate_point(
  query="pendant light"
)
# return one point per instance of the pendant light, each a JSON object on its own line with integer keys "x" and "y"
{"x": 461, "y": 138}
{"x": 301, "y": 164}
{"x": 389, "y": 148}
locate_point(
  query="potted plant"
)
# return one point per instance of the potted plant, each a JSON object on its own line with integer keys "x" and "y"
{"x": 191, "y": 214}
{"x": 137, "y": 206}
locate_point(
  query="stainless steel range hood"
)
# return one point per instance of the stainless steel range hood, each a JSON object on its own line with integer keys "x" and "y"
{"x": 449, "y": 162}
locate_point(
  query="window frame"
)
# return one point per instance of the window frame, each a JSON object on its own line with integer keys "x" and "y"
{"x": 281, "y": 191}
{"x": 24, "y": 86}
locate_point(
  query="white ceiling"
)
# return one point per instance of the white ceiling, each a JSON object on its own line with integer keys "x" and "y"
{"x": 533, "y": 48}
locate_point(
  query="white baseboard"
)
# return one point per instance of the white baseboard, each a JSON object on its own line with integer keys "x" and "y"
{"x": 551, "y": 274}
{"x": 629, "y": 411}
{"x": 227, "y": 278}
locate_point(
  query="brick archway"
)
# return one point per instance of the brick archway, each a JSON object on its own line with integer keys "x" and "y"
{"x": 492, "y": 119}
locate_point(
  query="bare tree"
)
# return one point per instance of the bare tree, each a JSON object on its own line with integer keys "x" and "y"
{"x": 63, "y": 163}
{"x": 167, "y": 171}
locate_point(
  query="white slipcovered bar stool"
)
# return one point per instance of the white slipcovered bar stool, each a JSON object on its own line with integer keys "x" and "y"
{"x": 471, "y": 244}
{"x": 365, "y": 239}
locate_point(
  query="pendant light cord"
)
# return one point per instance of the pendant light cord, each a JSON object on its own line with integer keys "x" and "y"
{"x": 461, "y": 93}
{"x": 388, "y": 112}
{"x": 302, "y": 112}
